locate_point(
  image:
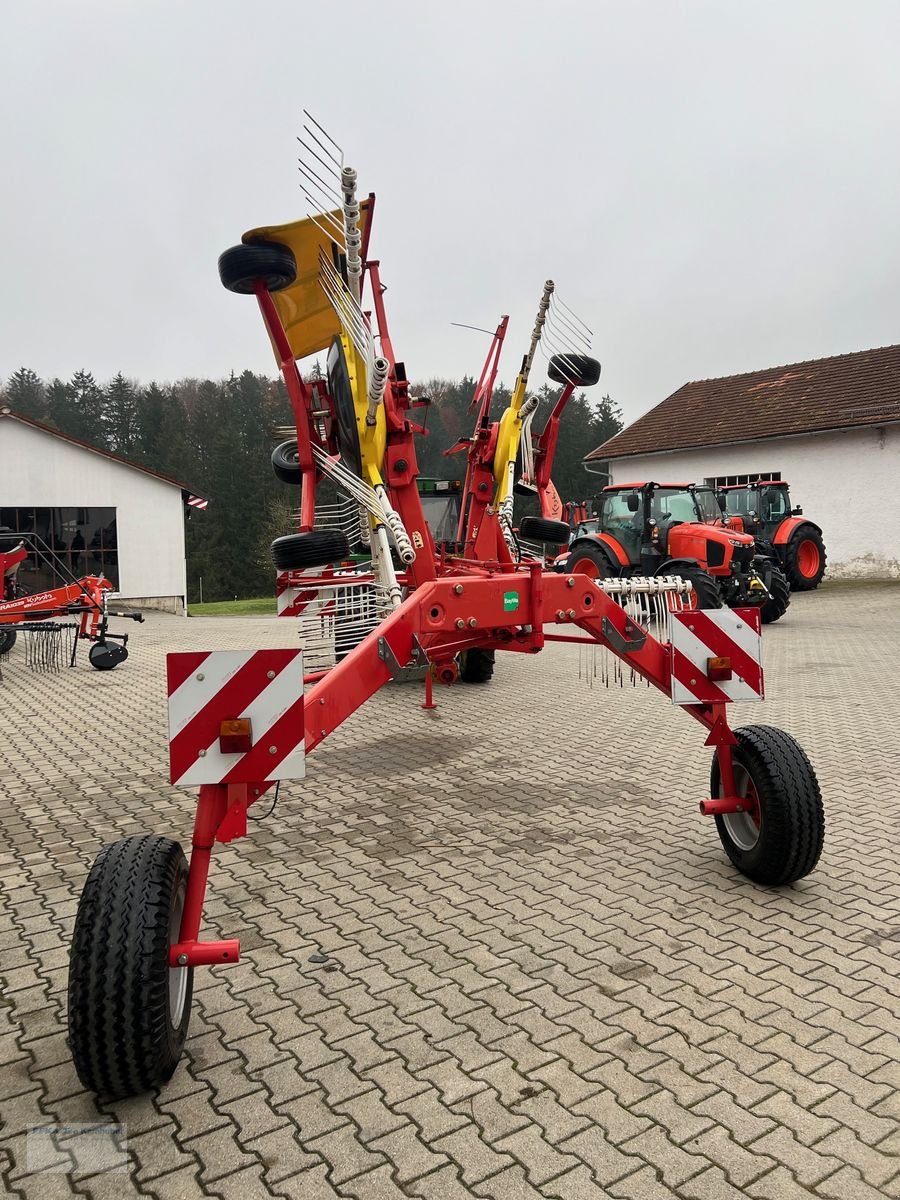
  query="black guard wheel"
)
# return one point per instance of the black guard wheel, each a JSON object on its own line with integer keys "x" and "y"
{"x": 705, "y": 591}
{"x": 579, "y": 369}
{"x": 317, "y": 548}
{"x": 128, "y": 1009}
{"x": 242, "y": 267}
{"x": 542, "y": 529}
{"x": 779, "y": 595}
{"x": 804, "y": 559}
{"x": 104, "y": 656}
{"x": 476, "y": 666}
{"x": 286, "y": 463}
{"x": 7, "y": 640}
{"x": 779, "y": 839}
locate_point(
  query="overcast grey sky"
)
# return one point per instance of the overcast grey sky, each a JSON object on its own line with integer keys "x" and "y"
{"x": 713, "y": 184}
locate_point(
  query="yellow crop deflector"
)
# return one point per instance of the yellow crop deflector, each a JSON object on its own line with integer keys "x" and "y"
{"x": 308, "y": 318}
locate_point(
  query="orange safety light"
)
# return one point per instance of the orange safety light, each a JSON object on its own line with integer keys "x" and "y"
{"x": 235, "y": 736}
{"x": 719, "y": 669}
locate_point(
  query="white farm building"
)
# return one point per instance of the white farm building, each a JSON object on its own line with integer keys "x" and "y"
{"x": 97, "y": 512}
{"x": 830, "y": 428}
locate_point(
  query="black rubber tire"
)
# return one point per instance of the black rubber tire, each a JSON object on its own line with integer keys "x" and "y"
{"x": 779, "y": 595}
{"x": 121, "y": 1030}
{"x": 580, "y": 369}
{"x": 588, "y": 552}
{"x": 704, "y": 585}
{"x": 798, "y": 582}
{"x": 317, "y": 548}
{"x": 285, "y": 462}
{"x": 542, "y": 529}
{"x": 792, "y": 827}
{"x": 241, "y": 267}
{"x": 476, "y": 666}
{"x": 7, "y": 640}
{"x": 106, "y": 656}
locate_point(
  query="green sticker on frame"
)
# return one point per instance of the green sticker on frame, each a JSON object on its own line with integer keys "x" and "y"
{"x": 510, "y": 601}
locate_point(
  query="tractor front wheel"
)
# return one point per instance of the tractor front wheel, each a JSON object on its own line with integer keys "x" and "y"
{"x": 705, "y": 591}
{"x": 128, "y": 1009}
{"x": 779, "y": 596}
{"x": 589, "y": 560}
{"x": 804, "y": 559}
{"x": 779, "y": 836}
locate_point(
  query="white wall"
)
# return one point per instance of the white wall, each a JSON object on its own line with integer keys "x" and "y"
{"x": 848, "y": 483}
{"x": 44, "y": 471}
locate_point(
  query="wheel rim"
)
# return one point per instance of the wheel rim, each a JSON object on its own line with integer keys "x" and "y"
{"x": 808, "y": 558}
{"x": 586, "y": 566}
{"x": 178, "y": 976}
{"x": 744, "y": 827}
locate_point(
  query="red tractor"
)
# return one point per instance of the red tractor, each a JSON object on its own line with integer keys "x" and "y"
{"x": 676, "y": 529}
{"x": 764, "y": 510}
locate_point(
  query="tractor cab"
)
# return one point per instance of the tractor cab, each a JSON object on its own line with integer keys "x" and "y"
{"x": 759, "y": 507}
{"x": 441, "y": 503}
{"x": 764, "y": 510}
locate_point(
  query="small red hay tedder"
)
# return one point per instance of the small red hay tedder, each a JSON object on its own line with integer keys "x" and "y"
{"x": 241, "y": 721}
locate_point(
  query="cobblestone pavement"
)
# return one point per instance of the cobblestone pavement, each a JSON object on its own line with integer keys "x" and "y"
{"x": 544, "y": 979}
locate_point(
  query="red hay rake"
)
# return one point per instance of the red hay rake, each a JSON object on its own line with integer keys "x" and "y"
{"x": 240, "y": 722}
{"x": 41, "y": 616}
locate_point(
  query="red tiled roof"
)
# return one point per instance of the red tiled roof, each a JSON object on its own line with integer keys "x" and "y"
{"x": 843, "y": 392}
{"x": 6, "y": 411}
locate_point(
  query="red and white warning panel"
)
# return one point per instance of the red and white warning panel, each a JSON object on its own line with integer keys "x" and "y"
{"x": 235, "y": 716}
{"x": 716, "y": 655}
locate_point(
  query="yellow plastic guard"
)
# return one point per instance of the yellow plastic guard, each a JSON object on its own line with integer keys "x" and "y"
{"x": 309, "y": 320}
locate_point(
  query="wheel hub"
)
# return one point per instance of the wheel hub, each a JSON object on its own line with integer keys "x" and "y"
{"x": 744, "y": 827}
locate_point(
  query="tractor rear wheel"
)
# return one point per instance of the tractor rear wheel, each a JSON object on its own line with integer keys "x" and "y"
{"x": 476, "y": 666}
{"x": 286, "y": 462}
{"x": 705, "y": 591}
{"x": 317, "y": 548}
{"x": 128, "y": 1009}
{"x": 778, "y": 839}
{"x": 779, "y": 595}
{"x": 804, "y": 559}
{"x": 7, "y": 640}
{"x": 588, "y": 559}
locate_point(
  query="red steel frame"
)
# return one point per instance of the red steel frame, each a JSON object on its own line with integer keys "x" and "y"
{"x": 455, "y": 603}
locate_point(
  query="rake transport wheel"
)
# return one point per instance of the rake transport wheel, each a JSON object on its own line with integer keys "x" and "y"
{"x": 804, "y": 559}
{"x": 128, "y": 1009}
{"x": 779, "y": 596}
{"x": 105, "y": 656}
{"x": 476, "y": 666}
{"x": 7, "y": 640}
{"x": 778, "y": 839}
{"x": 242, "y": 267}
{"x": 317, "y": 548}
{"x": 286, "y": 462}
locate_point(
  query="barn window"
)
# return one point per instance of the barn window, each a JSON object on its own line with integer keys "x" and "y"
{"x": 734, "y": 480}
{"x": 82, "y": 541}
